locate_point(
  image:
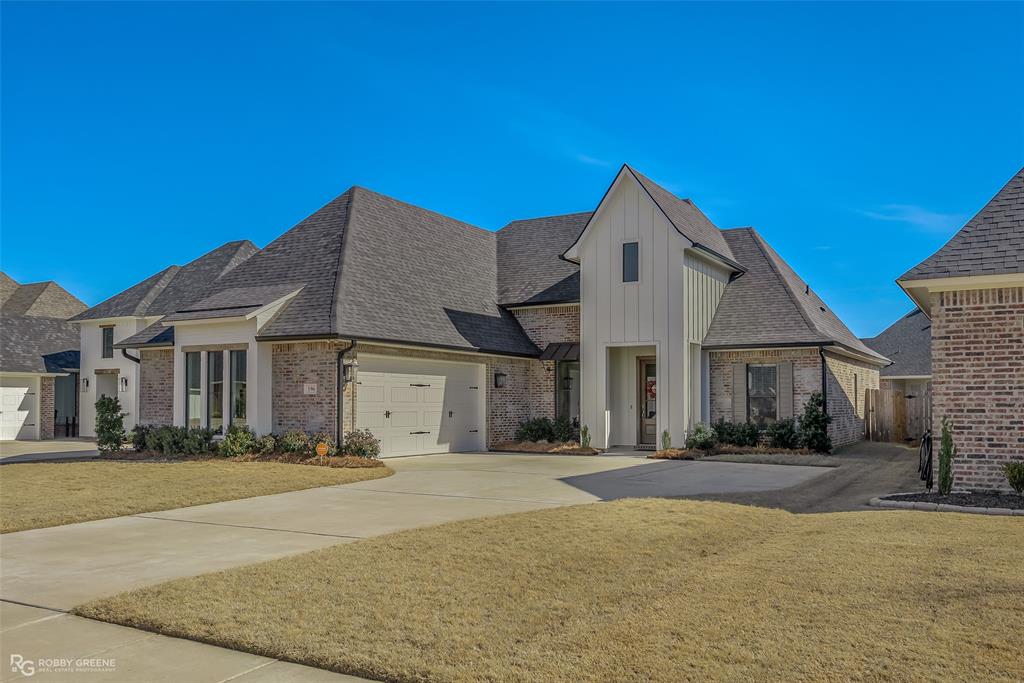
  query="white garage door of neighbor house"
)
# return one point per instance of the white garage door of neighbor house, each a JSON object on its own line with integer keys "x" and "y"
{"x": 18, "y": 408}
{"x": 416, "y": 407}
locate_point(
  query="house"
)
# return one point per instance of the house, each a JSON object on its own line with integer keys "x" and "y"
{"x": 638, "y": 318}
{"x": 903, "y": 403}
{"x": 38, "y": 360}
{"x": 972, "y": 289}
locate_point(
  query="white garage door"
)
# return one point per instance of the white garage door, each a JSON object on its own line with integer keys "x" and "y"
{"x": 416, "y": 407}
{"x": 18, "y": 408}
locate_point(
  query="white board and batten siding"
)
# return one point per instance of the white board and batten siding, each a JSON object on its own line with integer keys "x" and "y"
{"x": 417, "y": 406}
{"x": 671, "y": 305}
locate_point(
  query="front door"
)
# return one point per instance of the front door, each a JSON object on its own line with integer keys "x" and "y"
{"x": 648, "y": 413}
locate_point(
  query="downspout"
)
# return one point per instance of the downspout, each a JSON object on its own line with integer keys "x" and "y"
{"x": 341, "y": 390}
{"x": 824, "y": 379}
{"x": 124, "y": 352}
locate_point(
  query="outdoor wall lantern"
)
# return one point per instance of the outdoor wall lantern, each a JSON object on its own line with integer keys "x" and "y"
{"x": 349, "y": 370}
{"x": 124, "y": 384}
{"x": 85, "y": 384}
{"x": 499, "y": 380}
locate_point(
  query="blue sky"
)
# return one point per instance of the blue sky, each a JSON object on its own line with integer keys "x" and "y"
{"x": 856, "y": 137}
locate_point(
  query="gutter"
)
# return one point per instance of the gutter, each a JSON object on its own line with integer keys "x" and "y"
{"x": 824, "y": 379}
{"x": 341, "y": 382}
{"x": 124, "y": 352}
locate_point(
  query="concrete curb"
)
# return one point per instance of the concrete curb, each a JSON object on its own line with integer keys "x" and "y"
{"x": 940, "y": 507}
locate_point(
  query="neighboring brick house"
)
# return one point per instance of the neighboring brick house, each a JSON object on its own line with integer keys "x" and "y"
{"x": 38, "y": 360}
{"x": 972, "y": 289}
{"x": 440, "y": 336}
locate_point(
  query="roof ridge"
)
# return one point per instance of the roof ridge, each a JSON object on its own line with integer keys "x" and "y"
{"x": 419, "y": 208}
{"x": 762, "y": 246}
{"x": 541, "y": 218}
{"x": 169, "y": 273}
{"x": 349, "y": 212}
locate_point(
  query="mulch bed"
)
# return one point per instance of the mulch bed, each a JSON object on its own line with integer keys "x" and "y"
{"x": 979, "y": 499}
{"x": 552, "y": 447}
{"x": 694, "y": 454}
{"x": 286, "y": 458}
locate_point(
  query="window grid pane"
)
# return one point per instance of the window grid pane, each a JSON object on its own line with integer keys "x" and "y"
{"x": 108, "y": 342}
{"x": 762, "y": 393}
{"x": 215, "y": 390}
{"x": 238, "y": 399}
{"x": 193, "y": 393}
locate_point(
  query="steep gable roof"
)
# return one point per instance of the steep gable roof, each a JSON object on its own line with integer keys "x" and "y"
{"x": 770, "y": 305}
{"x": 991, "y": 243}
{"x": 908, "y": 344}
{"x": 173, "y": 286}
{"x": 37, "y": 299}
{"x": 37, "y": 344}
{"x": 530, "y": 270}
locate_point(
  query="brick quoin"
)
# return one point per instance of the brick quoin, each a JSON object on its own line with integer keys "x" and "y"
{"x": 978, "y": 380}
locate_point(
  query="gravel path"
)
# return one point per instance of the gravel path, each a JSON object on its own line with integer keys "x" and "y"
{"x": 866, "y": 470}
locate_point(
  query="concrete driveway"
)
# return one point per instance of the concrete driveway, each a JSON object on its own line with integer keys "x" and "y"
{"x": 44, "y": 571}
{"x": 53, "y": 449}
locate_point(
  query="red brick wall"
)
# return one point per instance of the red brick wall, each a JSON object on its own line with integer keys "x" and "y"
{"x": 978, "y": 380}
{"x": 156, "y": 387}
{"x": 46, "y": 407}
{"x": 848, "y": 410}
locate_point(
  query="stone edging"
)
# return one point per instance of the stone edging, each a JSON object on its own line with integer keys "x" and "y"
{"x": 940, "y": 507}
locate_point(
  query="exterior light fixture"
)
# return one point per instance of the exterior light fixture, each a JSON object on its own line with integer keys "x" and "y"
{"x": 499, "y": 380}
{"x": 349, "y": 370}
{"x": 85, "y": 384}
{"x": 124, "y": 384}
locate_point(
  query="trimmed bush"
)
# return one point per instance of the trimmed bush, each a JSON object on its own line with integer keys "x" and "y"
{"x": 322, "y": 437}
{"x": 737, "y": 433}
{"x": 1015, "y": 475}
{"x": 536, "y": 429}
{"x": 702, "y": 438}
{"x": 783, "y": 434}
{"x": 139, "y": 434}
{"x": 564, "y": 430}
{"x": 814, "y": 425}
{"x": 239, "y": 440}
{"x": 110, "y": 434}
{"x": 947, "y": 451}
{"x": 585, "y": 436}
{"x": 265, "y": 445}
{"x": 293, "y": 442}
{"x": 361, "y": 443}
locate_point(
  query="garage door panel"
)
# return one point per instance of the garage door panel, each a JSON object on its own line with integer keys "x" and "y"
{"x": 18, "y": 409}
{"x": 372, "y": 393}
{"x": 433, "y": 399}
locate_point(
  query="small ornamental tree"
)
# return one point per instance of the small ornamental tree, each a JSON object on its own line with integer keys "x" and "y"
{"x": 814, "y": 425}
{"x": 947, "y": 451}
{"x": 110, "y": 434}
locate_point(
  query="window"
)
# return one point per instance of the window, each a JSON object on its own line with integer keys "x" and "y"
{"x": 856, "y": 403}
{"x": 193, "y": 391}
{"x": 567, "y": 390}
{"x": 762, "y": 394}
{"x": 631, "y": 262}
{"x": 238, "y": 387}
{"x": 215, "y": 390}
{"x": 108, "y": 342}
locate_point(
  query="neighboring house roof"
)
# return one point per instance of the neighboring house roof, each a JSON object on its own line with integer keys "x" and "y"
{"x": 174, "y": 286}
{"x": 770, "y": 305}
{"x": 908, "y": 344}
{"x": 40, "y": 299}
{"x": 530, "y": 270}
{"x": 991, "y": 243}
{"x": 37, "y": 344}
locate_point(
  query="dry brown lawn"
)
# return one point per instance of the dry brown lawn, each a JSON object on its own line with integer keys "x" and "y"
{"x": 636, "y": 590}
{"x": 35, "y": 495}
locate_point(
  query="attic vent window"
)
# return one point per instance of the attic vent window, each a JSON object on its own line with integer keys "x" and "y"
{"x": 631, "y": 262}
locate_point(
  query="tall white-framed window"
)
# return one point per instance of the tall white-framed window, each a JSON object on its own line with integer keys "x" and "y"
{"x": 237, "y": 413}
{"x": 762, "y": 394}
{"x": 193, "y": 389}
{"x": 215, "y": 390}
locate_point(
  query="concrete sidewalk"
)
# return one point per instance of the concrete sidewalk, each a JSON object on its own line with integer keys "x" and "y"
{"x": 57, "y": 568}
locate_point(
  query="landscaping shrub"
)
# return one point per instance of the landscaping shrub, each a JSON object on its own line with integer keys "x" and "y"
{"x": 947, "y": 451}
{"x": 737, "y": 433}
{"x": 361, "y": 443}
{"x": 265, "y": 445}
{"x": 1015, "y": 475}
{"x": 814, "y": 425}
{"x": 139, "y": 434}
{"x": 783, "y": 434}
{"x": 536, "y": 429}
{"x": 110, "y": 434}
{"x": 239, "y": 440}
{"x": 585, "y": 436}
{"x": 701, "y": 438}
{"x": 666, "y": 440}
{"x": 321, "y": 437}
{"x": 564, "y": 430}
{"x": 293, "y": 442}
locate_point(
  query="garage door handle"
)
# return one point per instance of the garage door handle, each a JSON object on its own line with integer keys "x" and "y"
{"x": 419, "y": 432}
{"x": 387, "y": 413}
{"x": 419, "y": 385}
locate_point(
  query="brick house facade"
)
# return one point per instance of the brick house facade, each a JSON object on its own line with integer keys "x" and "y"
{"x": 978, "y": 380}
{"x": 156, "y": 387}
{"x": 47, "y": 398}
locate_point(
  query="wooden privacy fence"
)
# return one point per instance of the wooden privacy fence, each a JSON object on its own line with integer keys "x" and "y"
{"x": 900, "y": 413}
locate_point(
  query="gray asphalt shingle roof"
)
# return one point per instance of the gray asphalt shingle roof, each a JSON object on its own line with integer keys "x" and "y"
{"x": 908, "y": 344}
{"x": 41, "y": 299}
{"x": 37, "y": 344}
{"x": 173, "y": 287}
{"x": 530, "y": 270}
{"x": 770, "y": 305}
{"x": 153, "y": 336}
{"x": 991, "y": 243}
